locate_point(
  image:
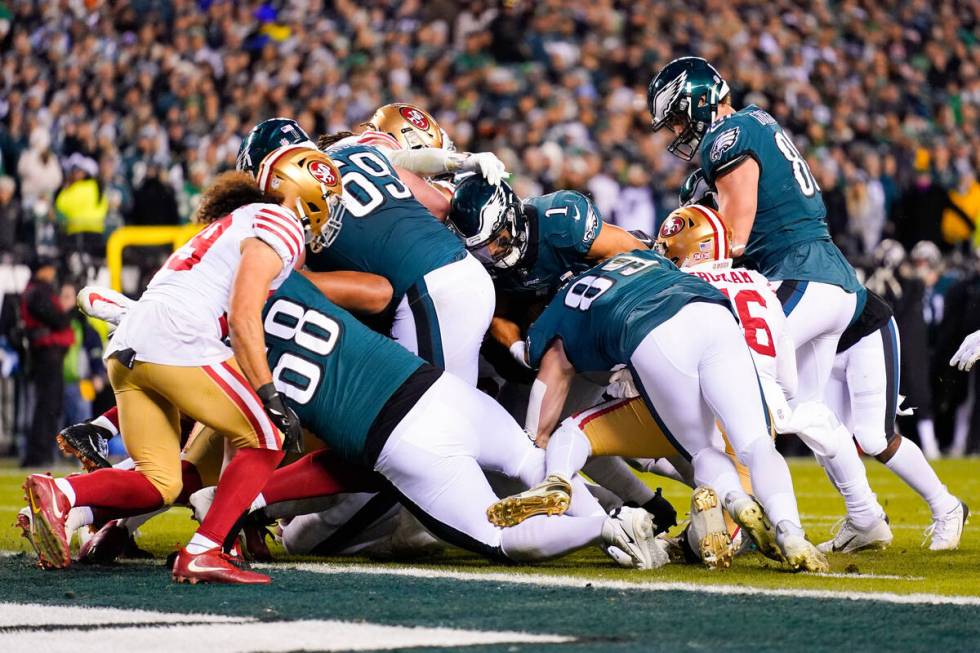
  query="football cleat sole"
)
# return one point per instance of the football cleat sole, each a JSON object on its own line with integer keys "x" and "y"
{"x": 52, "y": 550}
{"x": 748, "y": 514}
{"x": 23, "y": 522}
{"x": 551, "y": 497}
{"x": 715, "y": 548}
{"x": 68, "y": 449}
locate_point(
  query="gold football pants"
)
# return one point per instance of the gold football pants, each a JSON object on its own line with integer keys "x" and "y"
{"x": 151, "y": 398}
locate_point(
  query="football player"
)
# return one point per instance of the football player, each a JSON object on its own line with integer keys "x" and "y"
{"x": 771, "y": 203}
{"x": 167, "y": 358}
{"x": 690, "y": 363}
{"x": 427, "y": 433}
{"x": 443, "y": 299}
{"x": 863, "y": 392}
{"x": 528, "y": 246}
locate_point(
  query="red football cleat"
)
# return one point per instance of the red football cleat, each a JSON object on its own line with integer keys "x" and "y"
{"x": 49, "y": 509}
{"x": 106, "y": 545}
{"x": 213, "y": 566}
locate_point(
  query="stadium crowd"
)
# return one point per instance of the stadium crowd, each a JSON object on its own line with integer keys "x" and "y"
{"x": 110, "y": 119}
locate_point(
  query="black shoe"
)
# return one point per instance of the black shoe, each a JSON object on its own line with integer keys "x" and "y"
{"x": 87, "y": 442}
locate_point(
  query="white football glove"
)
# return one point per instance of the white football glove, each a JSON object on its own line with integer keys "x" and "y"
{"x": 819, "y": 428}
{"x": 104, "y": 304}
{"x": 487, "y": 164}
{"x": 968, "y": 353}
{"x": 621, "y": 385}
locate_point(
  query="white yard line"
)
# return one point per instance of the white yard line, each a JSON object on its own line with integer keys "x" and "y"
{"x": 578, "y": 582}
{"x": 57, "y": 629}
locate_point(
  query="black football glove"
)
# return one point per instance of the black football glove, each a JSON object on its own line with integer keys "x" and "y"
{"x": 283, "y": 417}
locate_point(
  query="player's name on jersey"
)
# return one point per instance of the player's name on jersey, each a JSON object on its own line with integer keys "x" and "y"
{"x": 732, "y": 276}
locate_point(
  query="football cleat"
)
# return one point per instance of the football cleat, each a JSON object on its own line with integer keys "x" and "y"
{"x": 87, "y": 442}
{"x": 104, "y": 304}
{"x": 848, "y": 538}
{"x": 252, "y": 541}
{"x": 799, "y": 552}
{"x": 628, "y": 538}
{"x": 23, "y": 522}
{"x": 550, "y": 497}
{"x": 664, "y": 514}
{"x": 213, "y": 566}
{"x": 750, "y": 516}
{"x": 707, "y": 534}
{"x": 49, "y": 510}
{"x": 945, "y": 531}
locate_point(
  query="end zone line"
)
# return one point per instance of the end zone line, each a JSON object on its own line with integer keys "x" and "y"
{"x": 579, "y": 582}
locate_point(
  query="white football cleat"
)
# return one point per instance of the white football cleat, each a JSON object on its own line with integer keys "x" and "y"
{"x": 628, "y": 539}
{"x": 104, "y": 304}
{"x": 848, "y": 538}
{"x": 946, "y": 531}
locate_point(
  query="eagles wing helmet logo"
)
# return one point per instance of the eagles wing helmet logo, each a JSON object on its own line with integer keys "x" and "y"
{"x": 671, "y": 227}
{"x": 414, "y": 116}
{"x": 725, "y": 141}
{"x": 322, "y": 173}
{"x": 665, "y": 98}
{"x": 489, "y": 217}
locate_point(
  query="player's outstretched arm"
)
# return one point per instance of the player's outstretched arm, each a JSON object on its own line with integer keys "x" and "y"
{"x": 361, "y": 292}
{"x": 548, "y": 394}
{"x": 738, "y": 197}
{"x": 259, "y": 266}
{"x": 611, "y": 241}
{"x": 427, "y": 195}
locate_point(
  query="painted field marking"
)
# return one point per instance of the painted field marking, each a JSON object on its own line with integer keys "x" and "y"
{"x": 578, "y": 582}
{"x": 61, "y": 629}
{"x": 836, "y": 574}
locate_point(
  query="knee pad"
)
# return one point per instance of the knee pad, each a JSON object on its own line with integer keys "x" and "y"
{"x": 872, "y": 441}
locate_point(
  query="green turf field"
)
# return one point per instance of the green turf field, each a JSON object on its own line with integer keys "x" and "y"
{"x": 902, "y": 599}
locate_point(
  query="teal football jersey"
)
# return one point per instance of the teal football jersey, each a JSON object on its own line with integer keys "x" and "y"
{"x": 561, "y": 229}
{"x": 603, "y": 315}
{"x": 385, "y": 229}
{"x": 789, "y": 238}
{"x": 335, "y": 372}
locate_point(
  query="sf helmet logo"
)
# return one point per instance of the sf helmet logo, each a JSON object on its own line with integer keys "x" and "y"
{"x": 415, "y": 117}
{"x": 323, "y": 173}
{"x": 672, "y": 227}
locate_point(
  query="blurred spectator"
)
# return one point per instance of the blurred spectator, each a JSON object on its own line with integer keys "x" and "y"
{"x": 84, "y": 371}
{"x": 960, "y": 221}
{"x": 635, "y": 209}
{"x": 49, "y": 335}
{"x": 920, "y": 211}
{"x": 154, "y": 202}
{"x": 82, "y": 207}
{"x": 10, "y": 215}
{"x": 38, "y": 170}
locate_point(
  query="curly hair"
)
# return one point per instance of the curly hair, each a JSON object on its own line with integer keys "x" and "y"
{"x": 325, "y": 141}
{"x": 229, "y": 191}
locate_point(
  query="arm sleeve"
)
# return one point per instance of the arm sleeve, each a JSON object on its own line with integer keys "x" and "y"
{"x": 543, "y": 331}
{"x": 278, "y": 228}
{"x": 425, "y": 161}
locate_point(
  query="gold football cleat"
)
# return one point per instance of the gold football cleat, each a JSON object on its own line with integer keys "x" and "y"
{"x": 748, "y": 514}
{"x": 801, "y": 555}
{"x": 550, "y": 497}
{"x": 708, "y": 534}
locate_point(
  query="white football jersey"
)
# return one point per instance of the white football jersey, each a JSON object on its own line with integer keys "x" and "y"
{"x": 760, "y": 314}
{"x": 181, "y": 318}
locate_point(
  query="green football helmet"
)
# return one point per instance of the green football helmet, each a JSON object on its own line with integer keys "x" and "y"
{"x": 265, "y": 137}
{"x": 490, "y": 221}
{"x": 686, "y": 94}
{"x": 697, "y": 191}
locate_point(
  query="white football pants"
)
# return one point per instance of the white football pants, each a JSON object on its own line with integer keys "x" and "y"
{"x": 444, "y": 317}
